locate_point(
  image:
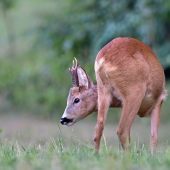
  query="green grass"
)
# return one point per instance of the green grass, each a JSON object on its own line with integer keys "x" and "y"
{"x": 56, "y": 155}
{"x": 67, "y": 148}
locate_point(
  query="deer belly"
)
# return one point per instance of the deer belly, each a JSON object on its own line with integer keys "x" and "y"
{"x": 146, "y": 107}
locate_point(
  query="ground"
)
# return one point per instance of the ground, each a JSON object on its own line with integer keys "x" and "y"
{"x": 34, "y": 144}
{"x": 33, "y": 130}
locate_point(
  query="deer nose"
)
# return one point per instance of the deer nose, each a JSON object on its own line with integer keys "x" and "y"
{"x": 64, "y": 121}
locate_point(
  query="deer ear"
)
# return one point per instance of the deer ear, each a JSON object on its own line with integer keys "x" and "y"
{"x": 84, "y": 79}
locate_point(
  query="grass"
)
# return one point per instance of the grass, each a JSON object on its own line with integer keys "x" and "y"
{"x": 43, "y": 145}
{"x": 78, "y": 155}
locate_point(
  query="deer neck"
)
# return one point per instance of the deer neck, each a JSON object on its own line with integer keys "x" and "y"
{"x": 96, "y": 98}
{"x": 115, "y": 103}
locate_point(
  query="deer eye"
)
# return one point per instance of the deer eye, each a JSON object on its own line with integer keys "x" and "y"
{"x": 76, "y": 100}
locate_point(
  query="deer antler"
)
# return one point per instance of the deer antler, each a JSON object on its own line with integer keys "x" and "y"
{"x": 74, "y": 75}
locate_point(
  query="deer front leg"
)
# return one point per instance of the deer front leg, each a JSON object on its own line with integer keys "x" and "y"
{"x": 155, "y": 117}
{"x": 103, "y": 105}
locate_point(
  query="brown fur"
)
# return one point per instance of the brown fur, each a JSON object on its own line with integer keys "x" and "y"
{"x": 130, "y": 76}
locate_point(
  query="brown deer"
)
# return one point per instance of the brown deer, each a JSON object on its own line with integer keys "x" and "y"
{"x": 128, "y": 75}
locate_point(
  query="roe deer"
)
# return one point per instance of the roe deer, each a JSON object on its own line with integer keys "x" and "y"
{"x": 128, "y": 75}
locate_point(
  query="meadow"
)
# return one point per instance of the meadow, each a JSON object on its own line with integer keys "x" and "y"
{"x": 55, "y": 155}
{"x": 33, "y": 144}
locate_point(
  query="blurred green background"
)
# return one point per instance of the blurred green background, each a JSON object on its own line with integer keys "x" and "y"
{"x": 39, "y": 39}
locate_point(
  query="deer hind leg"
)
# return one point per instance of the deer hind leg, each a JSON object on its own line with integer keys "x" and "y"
{"x": 103, "y": 105}
{"x": 131, "y": 105}
{"x": 155, "y": 117}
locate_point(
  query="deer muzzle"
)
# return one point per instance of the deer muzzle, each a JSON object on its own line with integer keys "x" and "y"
{"x": 66, "y": 121}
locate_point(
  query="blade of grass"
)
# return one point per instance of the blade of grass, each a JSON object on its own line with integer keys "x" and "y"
{"x": 105, "y": 142}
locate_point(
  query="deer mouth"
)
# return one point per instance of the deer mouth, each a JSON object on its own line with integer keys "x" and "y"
{"x": 66, "y": 121}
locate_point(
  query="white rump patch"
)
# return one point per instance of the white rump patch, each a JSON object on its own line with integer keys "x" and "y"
{"x": 98, "y": 64}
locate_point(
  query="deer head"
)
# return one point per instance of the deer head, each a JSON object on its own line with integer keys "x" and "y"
{"x": 82, "y": 98}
